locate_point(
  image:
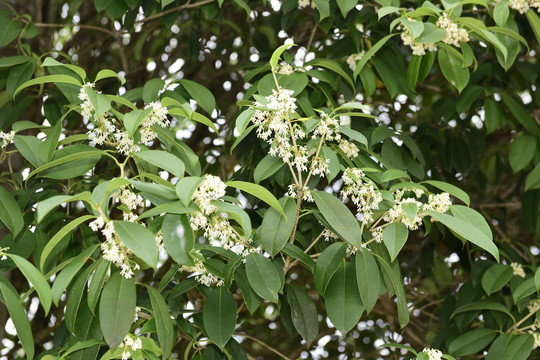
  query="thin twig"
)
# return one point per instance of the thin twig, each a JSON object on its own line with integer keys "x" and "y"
{"x": 311, "y": 36}
{"x": 265, "y": 345}
{"x": 511, "y": 204}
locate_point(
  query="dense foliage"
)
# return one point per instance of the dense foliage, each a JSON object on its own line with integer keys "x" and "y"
{"x": 262, "y": 179}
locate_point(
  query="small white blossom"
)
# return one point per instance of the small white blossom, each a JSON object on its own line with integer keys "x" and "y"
{"x": 3, "y": 251}
{"x": 363, "y": 194}
{"x": 303, "y": 3}
{"x": 131, "y": 343}
{"x": 97, "y": 224}
{"x": 433, "y": 354}
{"x": 202, "y": 275}
{"x": 7, "y": 138}
{"x": 349, "y": 148}
{"x": 86, "y": 107}
{"x": 453, "y": 34}
{"x": 158, "y": 116}
{"x": 285, "y": 69}
{"x": 353, "y": 59}
{"x": 518, "y": 269}
{"x": 125, "y": 143}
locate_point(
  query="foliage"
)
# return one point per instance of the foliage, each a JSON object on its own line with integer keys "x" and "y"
{"x": 345, "y": 199}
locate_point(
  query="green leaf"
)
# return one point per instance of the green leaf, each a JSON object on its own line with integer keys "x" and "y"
{"x": 10, "y": 212}
{"x": 453, "y": 70}
{"x": 369, "y": 82}
{"x": 164, "y": 326}
{"x": 164, "y": 160}
{"x": 259, "y": 192}
{"x": 75, "y": 296}
{"x": 386, "y": 10}
{"x": 342, "y": 300}
{"x": 117, "y": 308}
{"x": 18, "y": 316}
{"x": 185, "y": 188}
{"x": 378, "y": 45}
{"x": 524, "y": 289}
{"x": 237, "y": 214}
{"x": 509, "y": 346}
{"x": 28, "y": 146}
{"x": 106, "y": 73}
{"x": 36, "y": 279}
{"x": 339, "y": 217}
{"x": 151, "y": 90}
{"x": 79, "y": 346}
{"x": 65, "y": 167}
{"x": 451, "y": 189}
{"x": 537, "y": 279}
{"x": 263, "y": 277}
{"x": 96, "y": 284}
{"x": 178, "y": 238}
{"x": 64, "y": 79}
{"x": 395, "y": 235}
{"x": 467, "y": 231}
{"x": 483, "y": 306}
{"x": 51, "y": 244}
{"x": 243, "y": 120}
{"x": 276, "y": 228}
{"x": 133, "y": 119}
{"x": 394, "y": 283}
{"x": 9, "y": 30}
{"x": 472, "y": 217}
{"x": 533, "y": 180}
{"x": 20, "y": 74}
{"x": 521, "y": 115}
{"x": 44, "y": 207}
{"x": 267, "y": 167}
{"x": 431, "y": 34}
{"x": 392, "y": 174}
{"x": 79, "y": 71}
{"x": 472, "y": 341}
{"x": 139, "y": 240}
{"x": 9, "y": 61}
{"x": 368, "y": 278}
{"x": 219, "y": 316}
{"x": 327, "y": 264}
{"x": 251, "y": 298}
{"x": 200, "y": 94}
{"x": 324, "y": 8}
{"x": 334, "y": 66}
{"x": 346, "y": 5}
{"x": 534, "y": 21}
{"x": 276, "y": 55}
{"x": 355, "y": 135}
{"x": 496, "y": 277}
{"x": 68, "y": 273}
{"x": 303, "y": 313}
{"x": 296, "y": 253}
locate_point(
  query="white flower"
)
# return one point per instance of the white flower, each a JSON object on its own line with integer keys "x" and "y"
{"x": 536, "y": 337}
{"x": 158, "y": 116}
{"x": 130, "y": 343}
{"x": 212, "y": 188}
{"x": 125, "y": 143}
{"x": 349, "y": 148}
{"x": 130, "y": 199}
{"x": 534, "y": 305}
{"x": 202, "y": 275}
{"x": 353, "y": 59}
{"x": 303, "y": 3}
{"x": 3, "y": 255}
{"x": 453, "y": 34}
{"x": 363, "y": 194}
{"x": 518, "y": 269}
{"x": 97, "y": 224}
{"x": 434, "y": 354}
{"x": 7, "y": 138}
{"x": 285, "y": 69}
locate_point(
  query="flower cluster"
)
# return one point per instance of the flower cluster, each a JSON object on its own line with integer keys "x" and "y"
{"x": 439, "y": 202}
{"x": 453, "y": 34}
{"x": 285, "y": 69}
{"x": 7, "y": 138}
{"x": 106, "y": 129}
{"x": 306, "y": 193}
{"x": 417, "y": 48}
{"x": 157, "y": 116}
{"x": 214, "y": 223}
{"x": 129, "y": 198}
{"x": 129, "y": 344}
{"x": 518, "y": 269}
{"x": 433, "y": 354}
{"x": 353, "y": 59}
{"x": 363, "y": 194}
{"x": 202, "y": 274}
{"x": 3, "y": 251}
{"x": 524, "y": 5}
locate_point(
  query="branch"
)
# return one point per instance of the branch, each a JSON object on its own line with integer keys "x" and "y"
{"x": 179, "y": 8}
{"x": 265, "y": 345}
{"x": 82, "y": 26}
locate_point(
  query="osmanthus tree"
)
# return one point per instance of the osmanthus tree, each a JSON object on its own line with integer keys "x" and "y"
{"x": 176, "y": 183}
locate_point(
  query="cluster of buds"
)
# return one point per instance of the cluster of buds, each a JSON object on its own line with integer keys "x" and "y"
{"x": 213, "y": 222}
{"x": 454, "y": 34}
{"x": 353, "y": 59}
{"x": 7, "y": 138}
{"x": 517, "y": 269}
{"x": 202, "y": 274}
{"x": 524, "y": 5}
{"x": 129, "y": 344}
{"x": 106, "y": 128}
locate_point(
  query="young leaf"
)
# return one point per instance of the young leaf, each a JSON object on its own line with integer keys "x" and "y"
{"x": 394, "y": 236}
{"x": 263, "y": 277}
{"x": 219, "y": 316}
{"x": 277, "y": 54}
{"x": 200, "y": 94}
{"x": 116, "y": 309}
